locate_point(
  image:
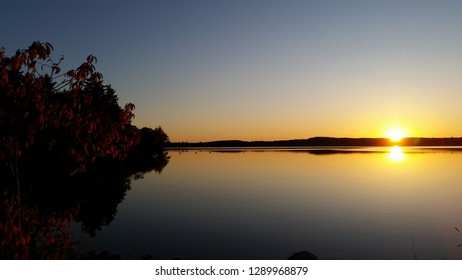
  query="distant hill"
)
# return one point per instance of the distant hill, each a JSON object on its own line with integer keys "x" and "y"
{"x": 325, "y": 141}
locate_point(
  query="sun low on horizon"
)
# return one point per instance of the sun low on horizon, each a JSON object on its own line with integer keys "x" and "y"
{"x": 396, "y": 133}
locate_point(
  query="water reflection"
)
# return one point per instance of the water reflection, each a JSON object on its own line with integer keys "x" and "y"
{"x": 266, "y": 204}
{"x": 396, "y": 154}
{"x": 36, "y": 216}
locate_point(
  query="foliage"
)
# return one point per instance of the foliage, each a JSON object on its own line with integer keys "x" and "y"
{"x": 73, "y": 114}
{"x": 151, "y": 142}
{"x": 53, "y": 126}
{"x": 26, "y": 233}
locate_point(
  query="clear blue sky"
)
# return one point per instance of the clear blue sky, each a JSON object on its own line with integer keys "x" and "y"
{"x": 251, "y": 70}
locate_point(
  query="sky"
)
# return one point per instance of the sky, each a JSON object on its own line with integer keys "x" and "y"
{"x": 209, "y": 70}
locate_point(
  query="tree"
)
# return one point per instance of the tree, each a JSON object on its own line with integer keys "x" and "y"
{"x": 151, "y": 142}
{"x": 156, "y": 138}
{"x": 71, "y": 116}
{"x": 52, "y": 126}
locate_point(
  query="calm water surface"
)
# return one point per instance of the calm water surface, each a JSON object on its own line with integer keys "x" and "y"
{"x": 369, "y": 203}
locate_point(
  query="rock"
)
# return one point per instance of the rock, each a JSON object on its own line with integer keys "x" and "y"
{"x": 303, "y": 255}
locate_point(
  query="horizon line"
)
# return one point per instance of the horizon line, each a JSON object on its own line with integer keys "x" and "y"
{"x": 322, "y": 137}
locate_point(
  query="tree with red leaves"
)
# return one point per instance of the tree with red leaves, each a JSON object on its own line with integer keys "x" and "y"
{"x": 52, "y": 125}
{"x": 72, "y": 114}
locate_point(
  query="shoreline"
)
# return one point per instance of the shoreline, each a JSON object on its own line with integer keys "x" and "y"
{"x": 324, "y": 142}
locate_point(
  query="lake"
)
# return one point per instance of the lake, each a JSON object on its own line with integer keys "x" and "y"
{"x": 337, "y": 203}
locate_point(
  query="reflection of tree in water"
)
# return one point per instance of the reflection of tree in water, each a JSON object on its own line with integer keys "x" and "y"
{"x": 105, "y": 187}
{"x": 101, "y": 190}
{"x": 35, "y": 224}
{"x": 29, "y": 232}
{"x": 32, "y": 226}
{"x": 139, "y": 165}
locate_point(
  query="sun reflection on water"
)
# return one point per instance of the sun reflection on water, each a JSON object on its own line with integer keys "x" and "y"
{"x": 396, "y": 154}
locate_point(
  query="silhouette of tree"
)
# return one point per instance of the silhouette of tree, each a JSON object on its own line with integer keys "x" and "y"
{"x": 54, "y": 125}
{"x": 151, "y": 142}
{"x": 72, "y": 115}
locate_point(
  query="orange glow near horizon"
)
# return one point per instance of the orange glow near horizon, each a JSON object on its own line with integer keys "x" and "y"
{"x": 396, "y": 133}
{"x": 254, "y": 130}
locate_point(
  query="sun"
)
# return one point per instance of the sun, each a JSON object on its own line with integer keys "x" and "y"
{"x": 396, "y": 134}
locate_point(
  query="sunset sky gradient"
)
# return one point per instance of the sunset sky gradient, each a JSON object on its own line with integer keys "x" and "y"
{"x": 263, "y": 70}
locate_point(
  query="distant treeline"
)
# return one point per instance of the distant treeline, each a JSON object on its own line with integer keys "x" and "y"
{"x": 325, "y": 141}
